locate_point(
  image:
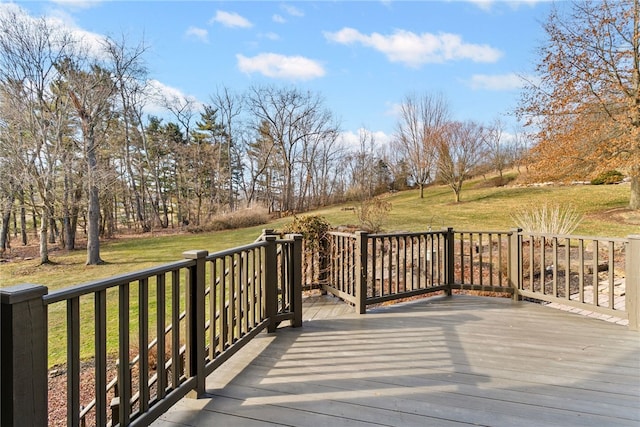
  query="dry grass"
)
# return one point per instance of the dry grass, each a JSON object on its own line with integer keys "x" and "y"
{"x": 548, "y": 219}
{"x": 234, "y": 220}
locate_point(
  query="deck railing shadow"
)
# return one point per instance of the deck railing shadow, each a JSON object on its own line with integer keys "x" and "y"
{"x": 179, "y": 322}
{"x": 419, "y": 364}
{"x": 324, "y": 361}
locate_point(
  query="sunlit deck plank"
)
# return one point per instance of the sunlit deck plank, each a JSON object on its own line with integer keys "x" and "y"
{"x": 444, "y": 361}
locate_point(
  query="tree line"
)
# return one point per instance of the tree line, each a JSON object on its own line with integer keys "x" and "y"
{"x": 79, "y": 153}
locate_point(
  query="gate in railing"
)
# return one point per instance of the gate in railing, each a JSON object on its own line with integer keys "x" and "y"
{"x": 175, "y": 325}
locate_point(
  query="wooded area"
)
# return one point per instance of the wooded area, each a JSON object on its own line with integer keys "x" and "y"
{"x": 79, "y": 152}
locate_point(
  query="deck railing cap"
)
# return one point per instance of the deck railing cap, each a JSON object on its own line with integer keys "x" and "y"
{"x": 20, "y": 293}
{"x": 195, "y": 254}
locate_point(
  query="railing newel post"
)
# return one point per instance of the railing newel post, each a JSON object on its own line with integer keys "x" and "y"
{"x": 195, "y": 308}
{"x": 449, "y": 259}
{"x": 632, "y": 282}
{"x": 362, "y": 244}
{"x": 23, "y": 356}
{"x": 515, "y": 262}
{"x": 271, "y": 280}
{"x": 296, "y": 280}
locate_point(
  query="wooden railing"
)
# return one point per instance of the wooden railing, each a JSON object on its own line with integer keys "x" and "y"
{"x": 595, "y": 274}
{"x": 588, "y": 273}
{"x": 175, "y": 325}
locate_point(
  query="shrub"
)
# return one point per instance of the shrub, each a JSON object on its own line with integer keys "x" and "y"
{"x": 233, "y": 220}
{"x": 314, "y": 228}
{"x": 547, "y": 219}
{"x": 372, "y": 213}
{"x": 608, "y": 177}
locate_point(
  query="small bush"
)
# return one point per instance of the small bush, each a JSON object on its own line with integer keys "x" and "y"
{"x": 548, "y": 219}
{"x": 372, "y": 213}
{"x": 314, "y": 228}
{"x": 608, "y": 177}
{"x": 233, "y": 220}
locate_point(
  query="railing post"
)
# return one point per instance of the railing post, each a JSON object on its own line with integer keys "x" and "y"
{"x": 296, "y": 280}
{"x": 195, "y": 334}
{"x": 514, "y": 271}
{"x": 323, "y": 263}
{"x": 23, "y": 360}
{"x": 361, "y": 268}
{"x": 632, "y": 282}
{"x": 449, "y": 258}
{"x": 271, "y": 281}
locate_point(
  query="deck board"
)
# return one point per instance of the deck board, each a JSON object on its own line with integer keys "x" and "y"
{"x": 445, "y": 361}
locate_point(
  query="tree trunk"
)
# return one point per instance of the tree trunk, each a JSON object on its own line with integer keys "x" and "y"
{"x": 44, "y": 237}
{"x": 422, "y": 190}
{"x": 34, "y": 213}
{"x": 93, "y": 230}
{"x": 54, "y": 230}
{"x": 634, "y": 199}
{"x": 23, "y": 219}
{"x": 6, "y": 221}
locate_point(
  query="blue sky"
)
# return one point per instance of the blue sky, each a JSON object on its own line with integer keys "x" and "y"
{"x": 362, "y": 57}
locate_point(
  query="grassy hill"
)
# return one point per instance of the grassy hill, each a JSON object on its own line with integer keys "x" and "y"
{"x": 483, "y": 208}
{"x": 491, "y": 208}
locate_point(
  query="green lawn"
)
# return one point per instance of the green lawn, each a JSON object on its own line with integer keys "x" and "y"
{"x": 481, "y": 209}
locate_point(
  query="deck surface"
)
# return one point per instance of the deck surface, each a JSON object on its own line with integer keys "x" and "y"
{"x": 444, "y": 361}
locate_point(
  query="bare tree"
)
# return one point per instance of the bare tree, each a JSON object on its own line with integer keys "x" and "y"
{"x": 362, "y": 164}
{"x": 498, "y": 150}
{"x": 258, "y": 164}
{"x": 229, "y": 107}
{"x": 91, "y": 89}
{"x": 419, "y": 126}
{"x": 184, "y": 110}
{"x": 130, "y": 79}
{"x": 34, "y": 115}
{"x": 293, "y": 117}
{"x": 459, "y": 150}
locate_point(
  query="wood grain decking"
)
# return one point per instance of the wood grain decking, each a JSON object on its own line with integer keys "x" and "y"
{"x": 439, "y": 362}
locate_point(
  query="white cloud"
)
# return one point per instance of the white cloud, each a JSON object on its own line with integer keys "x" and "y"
{"x": 496, "y": 82}
{"x": 483, "y": 4}
{"x": 351, "y": 139}
{"x": 198, "y": 33}
{"x": 63, "y": 23}
{"x": 231, "y": 20}
{"x": 270, "y": 36}
{"x": 278, "y": 19}
{"x": 487, "y": 5}
{"x": 293, "y": 11}
{"x": 415, "y": 50}
{"x": 78, "y": 4}
{"x": 394, "y": 109}
{"x": 161, "y": 94}
{"x": 281, "y": 66}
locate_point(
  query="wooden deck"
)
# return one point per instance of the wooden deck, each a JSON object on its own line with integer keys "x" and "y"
{"x": 440, "y": 362}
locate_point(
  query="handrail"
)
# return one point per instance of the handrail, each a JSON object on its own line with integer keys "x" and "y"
{"x": 111, "y": 282}
{"x": 259, "y": 286}
{"x": 575, "y": 237}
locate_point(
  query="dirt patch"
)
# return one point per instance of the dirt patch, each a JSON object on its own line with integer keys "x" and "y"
{"x": 619, "y": 215}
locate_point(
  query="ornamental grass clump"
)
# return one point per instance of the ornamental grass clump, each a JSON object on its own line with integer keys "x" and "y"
{"x": 548, "y": 219}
